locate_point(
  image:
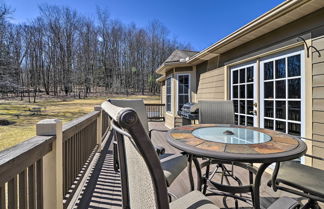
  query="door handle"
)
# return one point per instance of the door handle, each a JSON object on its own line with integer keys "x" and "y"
{"x": 254, "y": 112}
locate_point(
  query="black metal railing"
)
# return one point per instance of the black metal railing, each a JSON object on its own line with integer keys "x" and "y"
{"x": 155, "y": 111}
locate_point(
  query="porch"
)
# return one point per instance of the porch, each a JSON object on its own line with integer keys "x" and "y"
{"x": 71, "y": 166}
{"x": 103, "y": 188}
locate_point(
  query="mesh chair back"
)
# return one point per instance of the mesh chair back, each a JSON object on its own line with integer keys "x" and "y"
{"x": 218, "y": 112}
{"x": 143, "y": 182}
{"x": 137, "y": 105}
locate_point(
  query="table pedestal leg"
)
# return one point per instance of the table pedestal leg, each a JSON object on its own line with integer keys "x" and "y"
{"x": 257, "y": 184}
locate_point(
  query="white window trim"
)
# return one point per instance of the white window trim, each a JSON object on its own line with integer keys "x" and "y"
{"x": 166, "y": 94}
{"x": 177, "y": 92}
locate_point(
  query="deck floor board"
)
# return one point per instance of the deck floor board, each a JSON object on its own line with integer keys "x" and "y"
{"x": 103, "y": 188}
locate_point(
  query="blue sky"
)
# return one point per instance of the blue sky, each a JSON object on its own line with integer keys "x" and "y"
{"x": 200, "y": 23}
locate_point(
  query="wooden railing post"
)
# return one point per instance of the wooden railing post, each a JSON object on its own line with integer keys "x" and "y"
{"x": 99, "y": 126}
{"x": 52, "y": 164}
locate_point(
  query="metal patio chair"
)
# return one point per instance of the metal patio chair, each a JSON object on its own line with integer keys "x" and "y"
{"x": 143, "y": 181}
{"x": 301, "y": 180}
{"x": 217, "y": 112}
{"x": 172, "y": 164}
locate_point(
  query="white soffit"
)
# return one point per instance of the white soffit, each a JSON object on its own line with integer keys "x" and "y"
{"x": 275, "y": 18}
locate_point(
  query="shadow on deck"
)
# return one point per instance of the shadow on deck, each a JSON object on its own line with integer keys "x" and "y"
{"x": 102, "y": 188}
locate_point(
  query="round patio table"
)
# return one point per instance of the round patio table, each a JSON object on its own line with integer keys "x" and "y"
{"x": 232, "y": 143}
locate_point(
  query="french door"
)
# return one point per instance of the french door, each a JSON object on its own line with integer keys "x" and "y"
{"x": 282, "y": 93}
{"x": 243, "y": 94}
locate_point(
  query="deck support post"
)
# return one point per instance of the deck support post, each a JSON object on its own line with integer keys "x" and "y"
{"x": 99, "y": 127}
{"x": 52, "y": 164}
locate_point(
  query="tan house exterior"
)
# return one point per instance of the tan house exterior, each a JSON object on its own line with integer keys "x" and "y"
{"x": 265, "y": 67}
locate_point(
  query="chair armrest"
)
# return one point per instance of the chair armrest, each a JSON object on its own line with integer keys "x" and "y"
{"x": 159, "y": 130}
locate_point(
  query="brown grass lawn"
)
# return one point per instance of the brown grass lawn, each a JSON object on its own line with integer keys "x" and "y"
{"x": 24, "y": 126}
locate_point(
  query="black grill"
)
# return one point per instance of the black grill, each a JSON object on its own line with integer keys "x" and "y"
{"x": 189, "y": 111}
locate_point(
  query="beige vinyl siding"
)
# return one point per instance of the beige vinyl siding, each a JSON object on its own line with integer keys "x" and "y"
{"x": 284, "y": 35}
{"x": 169, "y": 120}
{"x": 211, "y": 85}
{"x": 318, "y": 99}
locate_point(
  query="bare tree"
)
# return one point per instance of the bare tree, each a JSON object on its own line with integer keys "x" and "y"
{"x": 63, "y": 52}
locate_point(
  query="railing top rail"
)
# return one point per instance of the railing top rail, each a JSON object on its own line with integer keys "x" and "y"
{"x": 17, "y": 158}
{"x": 72, "y": 127}
{"x": 148, "y": 104}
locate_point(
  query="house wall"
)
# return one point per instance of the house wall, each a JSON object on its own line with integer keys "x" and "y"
{"x": 169, "y": 120}
{"x": 211, "y": 85}
{"x": 212, "y": 80}
{"x": 310, "y": 28}
{"x": 318, "y": 95}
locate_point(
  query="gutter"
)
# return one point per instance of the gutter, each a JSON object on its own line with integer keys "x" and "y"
{"x": 177, "y": 63}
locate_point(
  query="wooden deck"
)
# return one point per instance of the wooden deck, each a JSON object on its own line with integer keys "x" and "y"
{"x": 102, "y": 189}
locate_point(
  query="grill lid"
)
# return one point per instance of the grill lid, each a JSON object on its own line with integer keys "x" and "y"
{"x": 190, "y": 107}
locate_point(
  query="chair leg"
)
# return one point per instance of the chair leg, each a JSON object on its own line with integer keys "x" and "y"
{"x": 192, "y": 185}
{"x": 206, "y": 179}
{"x": 115, "y": 157}
{"x": 311, "y": 204}
{"x": 236, "y": 204}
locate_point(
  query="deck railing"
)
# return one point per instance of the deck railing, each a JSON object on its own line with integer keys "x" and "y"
{"x": 44, "y": 171}
{"x": 155, "y": 111}
{"x": 24, "y": 163}
{"x": 79, "y": 146}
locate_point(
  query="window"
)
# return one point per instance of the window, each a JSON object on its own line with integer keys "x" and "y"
{"x": 183, "y": 89}
{"x": 168, "y": 94}
{"x": 282, "y": 93}
{"x": 242, "y": 94}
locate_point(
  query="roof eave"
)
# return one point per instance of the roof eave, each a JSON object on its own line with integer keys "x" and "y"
{"x": 267, "y": 17}
{"x": 166, "y": 66}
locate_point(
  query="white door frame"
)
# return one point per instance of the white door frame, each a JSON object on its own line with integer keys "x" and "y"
{"x": 255, "y": 96}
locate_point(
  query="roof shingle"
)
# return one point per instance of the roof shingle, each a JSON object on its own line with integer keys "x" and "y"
{"x": 179, "y": 54}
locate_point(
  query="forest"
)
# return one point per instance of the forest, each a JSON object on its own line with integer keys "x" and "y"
{"x": 64, "y": 53}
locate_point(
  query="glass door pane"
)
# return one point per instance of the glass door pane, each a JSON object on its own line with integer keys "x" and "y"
{"x": 183, "y": 90}
{"x": 243, "y": 94}
{"x": 281, "y": 93}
